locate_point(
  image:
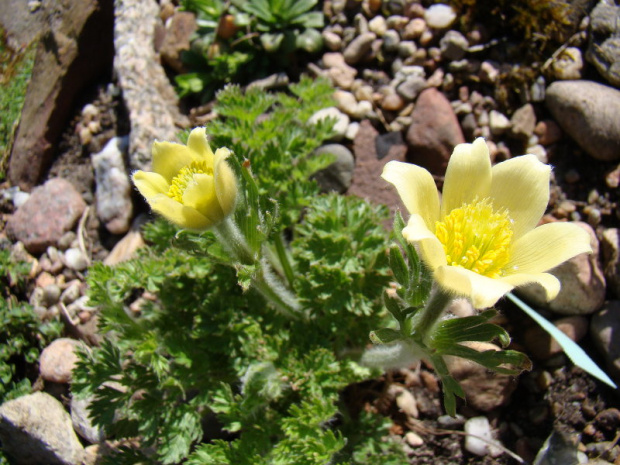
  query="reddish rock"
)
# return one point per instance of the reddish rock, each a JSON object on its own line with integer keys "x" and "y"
{"x": 542, "y": 346}
{"x": 434, "y": 132}
{"x": 64, "y": 66}
{"x": 51, "y": 211}
{"x": 179, "y": 30}
{"x": 58, "y": 360}
{"x": 367, "y": 182}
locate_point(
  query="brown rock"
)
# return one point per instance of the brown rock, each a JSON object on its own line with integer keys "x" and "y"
{"x": 548, "y": 132}
{"x": 434, "y": 132}
{"x": 611, "y": 259}
{"x": 484, "y": 390}
{"x": 543, "y": 346}
{"x": 52, "y": 210}
{"x": 605, "y": 332}
{"x": 367, "y": 182}
{"x": 179, "y": 30}
{"x": 523, "y": 122}
{"x": 58, "y": 360}
{"x": 64, "y": 65}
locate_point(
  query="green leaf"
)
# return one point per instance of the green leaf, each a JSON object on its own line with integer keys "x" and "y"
{"x": 399, "y": 266}
{"x": 574, "y": 352}
{"x": 384, "y": 336}
{"x": 451, "y": 388}
{"x": 472, "y": 328}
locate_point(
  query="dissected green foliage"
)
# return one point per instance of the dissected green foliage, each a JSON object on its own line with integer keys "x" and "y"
{"x": 22, "y": 334}
{"x": 210, "y": 373}
{"x": 241, "y": 40}
{"x": 15, "y": 70}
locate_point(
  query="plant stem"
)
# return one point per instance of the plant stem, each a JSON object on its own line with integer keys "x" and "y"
{"x": 275, "y": 292}
{"x": 426, "y": 318}
{"x": 284, "y": 260}
{"x": 228, "y": 234}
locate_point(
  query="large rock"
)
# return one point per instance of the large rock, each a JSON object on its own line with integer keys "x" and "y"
{"x": 150, "y": 98}
{"x": 588, "y": 112}
{"x": 75, "y": 48}
{"x": 51, "y": 211}
{"x": 367, "y": 182}
{"x": 113, "y": 191}
{"x": 604, "y": 41}
{"x": 434, "y": 132}
{"x": 583, "y": 283}
{"x": 36, "y": 429}
{"x": 337, "y": 176}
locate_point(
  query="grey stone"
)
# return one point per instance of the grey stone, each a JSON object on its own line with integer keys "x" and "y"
{"x": 411, "y": 87}
{"x": 385, "y": 142}
{"x": 52, "y": 210}
{"x": 151, "y": 100}
{"x": 337, "y": 176}
{"x": 523, "y": 122}
{"x": 113, "y": 187}
{"x": 36, "y": 429}
{"x": 604, "y": 41}
{"x": 605, "y": 332}
{"x": 391, "y": 40}
{"x": 588, "y": 112}
{"x": 82, "y": 423}
{"x": 453, "y": 45}
{"x": 359, "y": 47}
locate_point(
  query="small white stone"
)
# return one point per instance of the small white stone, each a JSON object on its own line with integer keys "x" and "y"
{"x": 498, "y": 122}
{"x": 413, "y": 439}
{"x": 75, "y": 259}
{"x": 342, "y": 120}
{"x": 439, "y": 16}
{"x": 539, "y": 151}
{"x": 479, "y": 427}
{"x": 352, "y": 130}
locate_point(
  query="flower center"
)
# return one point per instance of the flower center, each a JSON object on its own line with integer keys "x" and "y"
{"x": 185, "y": 177}
{"x": 476, "y": 237}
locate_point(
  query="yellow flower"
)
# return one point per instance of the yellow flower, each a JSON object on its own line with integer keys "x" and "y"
{"x": 481, "y": 239}
{"x": 191, "y": 186}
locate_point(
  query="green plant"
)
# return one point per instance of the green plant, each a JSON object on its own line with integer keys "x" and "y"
{"x": 22, "y": 334}
{"x": 15, "y": 70}
{"x": 238, "y": 40}
{"x": 208, "y": 370}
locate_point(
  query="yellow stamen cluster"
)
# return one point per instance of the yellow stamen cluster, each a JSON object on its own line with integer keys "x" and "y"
{"x": 179, "y": 183}
{"x": 477, "y": 238}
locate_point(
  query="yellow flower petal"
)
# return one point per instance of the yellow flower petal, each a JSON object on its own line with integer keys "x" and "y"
{"x": 225, "y": 181}
{"x": 200, "y": 195}
{"x": 549, "y": 283}
{"x": 521, "y": 186}
{"x": 416, "y": 188}
{"x": 150, "y": 184}
{"x": 468, "y": 176}
{"x": 546, "y": 246}
{"x": 430, "y": 248}
{"x": 183, "y": 216}
{"x": 198, "y": 143}
{"x": 484, "y": 292}
{"x": 169, "y": 158}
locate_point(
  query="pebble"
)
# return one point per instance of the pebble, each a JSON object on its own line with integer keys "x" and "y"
{"x": 480, "y": 426}
{"x": 453, "y": 45}
{"x": 36, "y": 429}
{"x": 439, "y": 16}
{"x": 75, "y": 259}
{"x": 548, "y": 132}
{"x": 523, "y": 122}
{"x": 498, "y": 123}
{"x": 58, "y": 360}
{"x": 342, "y": 120}
{"x": 539, "y": 151}
{"x": 52, "y": 210}
{"x": 604, "y": 44}
{"x": 82, "y": 423}
{"x": 358, "y": 47}
{"x": 337, "y": 176}
{"x": 414, "y": 29}
{"x": 405, "y": 400}
{"x": 332, "y": 41}
{"x": 587, "y": 108}
{"x": 113, "y": 186}
{"x": 489, "y": 72}
{"x": 568, "y": 64}
{"x": 610, "y": 245}
{"x": 391, "y": 41}
{"x": 413, "y": 439}
{"x": 378, "y": 25}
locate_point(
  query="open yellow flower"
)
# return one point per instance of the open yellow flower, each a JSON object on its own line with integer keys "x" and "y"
{"x": 481, "y": 239}
{"x": 190, "y": 185}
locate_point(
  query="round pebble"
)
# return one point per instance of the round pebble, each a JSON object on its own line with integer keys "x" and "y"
{"x": 439, "y": 16}
{"x": 75, "y": 259}
{"x": 58, "y": 360}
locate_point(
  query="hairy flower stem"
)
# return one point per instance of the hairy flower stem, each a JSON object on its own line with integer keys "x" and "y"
{"x": 425, "y": 319}
{"x": 264, "y": 280}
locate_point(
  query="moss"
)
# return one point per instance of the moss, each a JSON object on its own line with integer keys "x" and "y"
{"x": 15, "y": 71}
